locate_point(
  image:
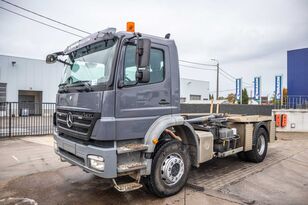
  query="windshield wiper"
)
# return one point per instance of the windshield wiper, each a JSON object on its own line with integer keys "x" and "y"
{"x": 81, "y": 82}
{"x": 61, "y": 84}
{"x": 85, "y": 83}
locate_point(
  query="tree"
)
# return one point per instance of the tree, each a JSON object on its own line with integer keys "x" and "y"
{"x": 284, "y": 96}
{"x": 231, "y": 98}
{"x": 273, "y": 99}
{"x": 285, "y": 92}
{"x": 245, "y": 97}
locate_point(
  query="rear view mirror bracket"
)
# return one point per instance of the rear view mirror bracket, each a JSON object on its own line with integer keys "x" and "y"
{"x": 52, "y": 58}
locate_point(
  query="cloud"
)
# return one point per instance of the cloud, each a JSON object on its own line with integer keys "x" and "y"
{"x": 249, "y": 38}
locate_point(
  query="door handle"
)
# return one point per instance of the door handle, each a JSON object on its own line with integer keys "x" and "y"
{"x": 163, "y": 102}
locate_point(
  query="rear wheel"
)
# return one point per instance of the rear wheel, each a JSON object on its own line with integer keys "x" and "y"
{"x": 169, "y": 170}
{"x": 259, "y": 147}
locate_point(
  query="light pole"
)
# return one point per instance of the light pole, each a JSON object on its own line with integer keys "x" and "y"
{"x": 217, "y": 78}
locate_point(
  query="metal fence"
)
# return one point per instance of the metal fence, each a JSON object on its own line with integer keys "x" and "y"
{"x": 292, "y": 102}
{"x": 26, "y": 118}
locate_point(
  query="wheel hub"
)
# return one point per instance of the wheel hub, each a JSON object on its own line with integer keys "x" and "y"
{"x": 172, "y": 169}
{"x": 261, "y": 145}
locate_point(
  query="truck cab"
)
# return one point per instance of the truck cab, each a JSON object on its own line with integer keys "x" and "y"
{"x": 118, "y": 114}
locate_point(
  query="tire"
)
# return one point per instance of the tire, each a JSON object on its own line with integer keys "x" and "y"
{"x": 259, "y": 146}
{"x": 169, "y": 171}
{"x": 242, "y": 156}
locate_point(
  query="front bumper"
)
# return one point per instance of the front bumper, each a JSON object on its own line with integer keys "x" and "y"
{"x": 77, "y": 154}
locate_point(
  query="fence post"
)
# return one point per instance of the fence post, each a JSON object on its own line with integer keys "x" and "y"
{"x": 10, "y": 119}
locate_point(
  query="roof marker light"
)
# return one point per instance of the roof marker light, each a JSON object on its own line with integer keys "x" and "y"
{"x": 130, "y": 26}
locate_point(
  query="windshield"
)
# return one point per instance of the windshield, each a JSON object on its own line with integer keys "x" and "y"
{"x": 91, "y": 64}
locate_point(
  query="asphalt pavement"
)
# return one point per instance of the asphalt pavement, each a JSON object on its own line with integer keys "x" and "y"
{"x": 30, "y": 173}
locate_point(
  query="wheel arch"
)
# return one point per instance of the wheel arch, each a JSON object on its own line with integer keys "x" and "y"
{"x": 264, "y": 126}
{"x": 182, "y": 129}
{"x": 189, "y": 137}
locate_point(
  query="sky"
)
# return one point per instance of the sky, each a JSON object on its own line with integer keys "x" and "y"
{"x": 249, "y": 38}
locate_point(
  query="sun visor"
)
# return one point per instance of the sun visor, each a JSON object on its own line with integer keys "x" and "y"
{"x": 105, "y": 34}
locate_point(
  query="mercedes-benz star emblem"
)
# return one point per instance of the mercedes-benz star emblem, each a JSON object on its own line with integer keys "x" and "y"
{"x": 69, "y": 119}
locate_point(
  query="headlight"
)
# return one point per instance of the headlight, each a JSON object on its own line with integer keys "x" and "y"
{"x": 96, "y": 162}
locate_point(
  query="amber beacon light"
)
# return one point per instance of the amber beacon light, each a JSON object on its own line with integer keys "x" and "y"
{"x": 130, "y": 26}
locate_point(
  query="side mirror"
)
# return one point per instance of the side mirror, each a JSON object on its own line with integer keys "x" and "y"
{"x": 143, "y": 60}
{"x": 143, "y": 52}
{"x": 51, "y": 58}
{"x": 143, "y": 75}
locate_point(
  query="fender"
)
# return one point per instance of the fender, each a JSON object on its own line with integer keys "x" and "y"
{"x": 264, "y": 125}
{"x": 157, "y": 128}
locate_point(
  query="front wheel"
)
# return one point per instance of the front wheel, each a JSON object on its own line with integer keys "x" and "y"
{"x": 170, "y": 168}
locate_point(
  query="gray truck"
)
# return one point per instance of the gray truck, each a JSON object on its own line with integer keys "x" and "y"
{"x": 118, "y": 115}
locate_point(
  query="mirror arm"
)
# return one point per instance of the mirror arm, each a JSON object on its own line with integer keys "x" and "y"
{"x": 60, "y": 53}
{"x": 64, "y": 62}
{"x": 137, "y": 51}
{"x": 122, "y": 85}
{"x": 136, "y": 34}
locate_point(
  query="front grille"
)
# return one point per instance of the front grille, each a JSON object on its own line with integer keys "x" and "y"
{"x": 82, "y": 123}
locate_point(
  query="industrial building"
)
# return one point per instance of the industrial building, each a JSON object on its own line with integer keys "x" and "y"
{"x": 194, "y": 90}
{"x": 298, "y": 72}
{"x": 28, "y": 80}
{"x": 29, "y": 83}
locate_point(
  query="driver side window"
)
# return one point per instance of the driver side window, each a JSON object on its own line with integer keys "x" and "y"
{"x": 157, "y": 65}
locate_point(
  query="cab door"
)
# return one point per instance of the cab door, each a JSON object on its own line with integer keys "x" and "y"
{"x": 138, "y": 105}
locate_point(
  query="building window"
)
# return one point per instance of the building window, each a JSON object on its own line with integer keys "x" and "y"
{"x": 182, "y": 100}
{"x": 195, "y": 97}
{"x": 2, "y": 96}
{"x": 2, "y": 92}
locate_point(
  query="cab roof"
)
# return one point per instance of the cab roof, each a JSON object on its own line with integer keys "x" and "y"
{"x": 110, "y": 33}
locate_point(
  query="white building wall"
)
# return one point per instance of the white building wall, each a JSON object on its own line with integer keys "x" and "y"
{"x": 30, "y": 74}
{"x": 297, "y": 120}
{"x": 194, "y": 87}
